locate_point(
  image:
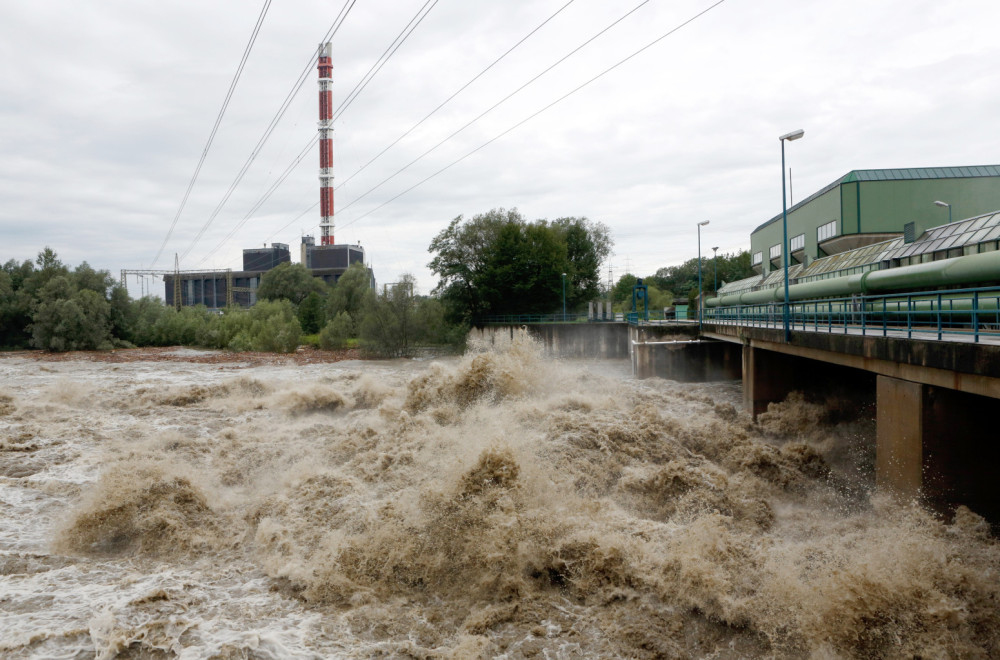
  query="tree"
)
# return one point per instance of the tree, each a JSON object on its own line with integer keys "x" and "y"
{"x": 335, "y": 334}
{"x": 311, "y": 313}
{"x": 77, "y": 321}
{"x": 588, "y": 245}
{"x": 388, "y": 328}
{"x": 351, "y": 294}
{"x": 289, "y": 281}
{"x": 682, "y": 280}
{"x": 498, "y": 263}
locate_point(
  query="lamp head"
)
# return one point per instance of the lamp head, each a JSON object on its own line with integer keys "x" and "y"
{"x": 703, "y": 223}
{"x": 714, "y": 249}
{"x": 940, "y": 203}
{"x": 794, "y": 135}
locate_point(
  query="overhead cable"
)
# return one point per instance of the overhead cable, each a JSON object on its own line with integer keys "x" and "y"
{"x": 266, "y": 196}
{"x": 459, "y": 91}
{"x": 375, "y": 68}
{"x": 495, "y": 105}
{"x": 432, "y": 112}
{"x": 393, "y": 47}
{"x": 215, "y": 127}
{"x": 535, "y": 114}
{"x": 296, "y": 87}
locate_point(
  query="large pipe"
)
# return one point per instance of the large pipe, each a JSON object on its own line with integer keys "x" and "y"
{"x": 970, "y": 269}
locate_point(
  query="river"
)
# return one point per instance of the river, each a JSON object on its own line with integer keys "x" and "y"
{"x": 495, "y": 505}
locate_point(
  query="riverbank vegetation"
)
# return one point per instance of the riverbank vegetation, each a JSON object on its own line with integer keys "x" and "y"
{"x": 47, "y": 305}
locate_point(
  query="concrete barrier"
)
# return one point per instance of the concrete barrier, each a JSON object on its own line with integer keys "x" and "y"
{"x": 607, "y": 341}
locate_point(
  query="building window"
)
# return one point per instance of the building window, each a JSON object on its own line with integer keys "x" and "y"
{"x": 758, "y": 259}
{"x": 775, "y": 251}
{"x": 797, "y": 243}
{"x": 829, "y": 230}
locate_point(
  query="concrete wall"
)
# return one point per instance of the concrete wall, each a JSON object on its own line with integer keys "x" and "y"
{"x": 567, "y": 340}
{"x": 687, "y": 361}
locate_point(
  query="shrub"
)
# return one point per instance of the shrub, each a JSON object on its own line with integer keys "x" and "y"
{"x": 336, "y": 333}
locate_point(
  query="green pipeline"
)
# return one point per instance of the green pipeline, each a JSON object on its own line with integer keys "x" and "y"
{"x": 968, "y": 270}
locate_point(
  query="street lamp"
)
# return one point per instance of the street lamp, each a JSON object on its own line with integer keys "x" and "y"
{"x": 564, "y": 296}
{"x": 700, "y": 225}
{"x": 794, "y": 135}
{"x": 939, "y": 203}
{"x": 715, "y": 266}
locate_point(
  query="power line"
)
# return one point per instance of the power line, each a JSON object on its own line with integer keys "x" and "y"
{"x": 432, "y": 112}
{"x": 459, "y": 91}
{"x": 260, "y": 202}
{"x": 296, "y": 87}
{"x": 535, "y": 114}
{"x": 215, "y": 127}
{"x": 367, "y": 78}
{"x": 496, "y": 105}
{"x": 375, "y": 68}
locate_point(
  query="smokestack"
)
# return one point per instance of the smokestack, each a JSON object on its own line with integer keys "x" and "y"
{"x": 325, "y": 67}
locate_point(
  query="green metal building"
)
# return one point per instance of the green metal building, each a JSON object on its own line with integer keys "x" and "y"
{"x": 869, "y": 206}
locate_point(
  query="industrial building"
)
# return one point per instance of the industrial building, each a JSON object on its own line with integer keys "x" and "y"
{"x": 865, "y": 207}
{"x": 216, "y": 289}
{"x": 844, "y": 274}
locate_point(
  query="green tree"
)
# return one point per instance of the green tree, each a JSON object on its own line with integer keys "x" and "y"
{"x": 588, "y": 245}
{"x": 498, "y": 263}
{"x": 289, "y": 281}
{"x": 79, "y": 320}
{"x": 682, "y": 280}
{"x": 267, "y": 326}
{"x": 311, "y": 313}
{"x": 388, "y": 328}
{"x": 335, "y": 334}
{"x": 352, "y": 294}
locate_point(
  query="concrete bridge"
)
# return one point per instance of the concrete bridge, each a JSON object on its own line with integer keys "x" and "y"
{"x": 935, "y": 401}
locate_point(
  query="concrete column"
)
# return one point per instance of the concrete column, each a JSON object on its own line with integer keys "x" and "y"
{"x": 899, "y": 455}
{"x": 767, "y": 377}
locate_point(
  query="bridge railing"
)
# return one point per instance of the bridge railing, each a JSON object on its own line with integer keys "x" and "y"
{"x": 525, "y": 319}
{"x": 952, "y": 314}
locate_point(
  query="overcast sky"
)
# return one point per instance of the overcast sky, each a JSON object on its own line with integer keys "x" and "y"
{"x": 105, "y": 108}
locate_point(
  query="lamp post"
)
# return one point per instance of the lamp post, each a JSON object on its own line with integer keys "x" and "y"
{"x": 700, "y": 225}
{"x": 940, "y": 203}
{"x": 564, "y": 296}
{"x": 794, "y": 135}
{"x": 715, "y": 267}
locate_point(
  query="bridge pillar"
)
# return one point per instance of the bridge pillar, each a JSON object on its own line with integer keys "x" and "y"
{"x": 767, "y": 377}
{"x": 900, "y": 428}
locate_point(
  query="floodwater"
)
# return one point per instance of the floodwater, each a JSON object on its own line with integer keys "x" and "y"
{"x": 498, "y": 505}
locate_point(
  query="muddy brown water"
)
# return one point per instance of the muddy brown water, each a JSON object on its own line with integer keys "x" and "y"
{"x": 497, "y": 505}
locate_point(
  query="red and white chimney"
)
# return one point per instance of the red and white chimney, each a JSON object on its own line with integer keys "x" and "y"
{"x": 325, "y": 67}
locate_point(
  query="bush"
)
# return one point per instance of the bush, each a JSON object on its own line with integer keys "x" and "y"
{"x": 268, "y": 326}
{"x": 336, "y": 333}
{"x": 79, "y": 321}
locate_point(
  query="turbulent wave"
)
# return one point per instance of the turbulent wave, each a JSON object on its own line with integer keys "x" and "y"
{"x": 499, "y": 504}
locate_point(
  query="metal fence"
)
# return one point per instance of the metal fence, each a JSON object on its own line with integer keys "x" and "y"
{"x": 525, "y": 319}
{"x": 955, "y": 314}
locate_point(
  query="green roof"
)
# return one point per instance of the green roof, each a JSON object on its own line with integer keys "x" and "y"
{"x": 906, "y": 174}
{"x": 912, "y": 173}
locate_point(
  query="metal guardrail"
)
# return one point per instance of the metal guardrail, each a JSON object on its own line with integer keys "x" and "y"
{"x": 631, "y": 318}
{"x": 525, "y": 319}
{"x": 952, "y": 314}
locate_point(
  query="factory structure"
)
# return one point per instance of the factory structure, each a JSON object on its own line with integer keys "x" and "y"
{"x": 328, "y": 261}
{"x": 904, "y": 227}
{"x": 865, "y": 207}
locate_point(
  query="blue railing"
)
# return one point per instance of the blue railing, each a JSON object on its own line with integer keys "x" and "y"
{"x": 633, "y": 318}
{"x": 523, "y": 319}
{"x": 973, "y": 313}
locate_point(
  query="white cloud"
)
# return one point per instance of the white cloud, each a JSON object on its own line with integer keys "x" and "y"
{"x": 105, "y": 108}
